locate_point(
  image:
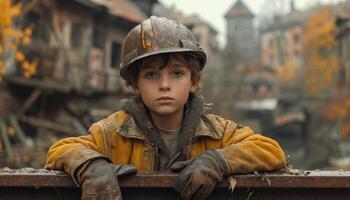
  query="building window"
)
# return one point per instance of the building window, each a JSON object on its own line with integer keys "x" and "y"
{"x": 39, "y": 25}
{"x": 98, "y": 39}
{"x": 296, "y": 39}
{"x": 271, "y": 43}
{"x": 76, "y": 39}
{"x": 347, "y": 49}
{"x": 239, "y": 25}
{"x": 116, "y": 54}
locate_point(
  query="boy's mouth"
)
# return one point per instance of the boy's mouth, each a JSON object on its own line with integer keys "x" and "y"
{"x": 163, "y": 98}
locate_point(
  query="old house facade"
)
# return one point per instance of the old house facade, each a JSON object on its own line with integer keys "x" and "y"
{"x": 282, "y": 42}
{"x": 343, "y": 46}
{"x": 86, "y": 36}
{"x": 285, "y": 43}
{"x": 78, "y": 47}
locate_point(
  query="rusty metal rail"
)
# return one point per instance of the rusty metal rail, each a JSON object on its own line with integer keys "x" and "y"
{"x": 42, "y": 184}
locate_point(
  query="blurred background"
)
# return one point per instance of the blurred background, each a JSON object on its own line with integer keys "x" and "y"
{"x": 281, "y": 67}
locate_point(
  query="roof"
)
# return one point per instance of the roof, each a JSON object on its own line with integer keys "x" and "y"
{"x": 120, "y": 8}
{"x": 196, "y": 20}
{"x": 295, "y": 18}
{"x": 127, "y": 10}
{"x": 239, "y": 9}
{"x": 342, "y": 9}
{"x": 343, "y": 25}
{"x": 342, "y": 18}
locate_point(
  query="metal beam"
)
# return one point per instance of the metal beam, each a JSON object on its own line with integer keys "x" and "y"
{"x": 33, "y": 183}
{"x": 5, "y": 139}
{"x": 38, "y": 122}
{"x": 29, "y": 102}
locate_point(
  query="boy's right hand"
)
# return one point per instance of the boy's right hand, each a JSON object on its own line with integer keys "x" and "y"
{"x": 99, "y": 179}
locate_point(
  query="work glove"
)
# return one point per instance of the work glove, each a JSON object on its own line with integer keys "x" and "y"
{"x": 199, "y": 176}
{"x": 99, "y": 179}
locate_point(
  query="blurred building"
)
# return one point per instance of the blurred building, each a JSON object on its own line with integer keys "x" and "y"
{"x": 258, "y": 83}
{"x": 282, "y": 42}
{"x": 239, "y": 54}
{"x": 146, "y": 5}
{"x": 78, "y": 47}
{"x": 79, "y": 42}
{"x": 343, "y": 47}
{"x": 241, "y": 40}
{"x": 341, "y": 93}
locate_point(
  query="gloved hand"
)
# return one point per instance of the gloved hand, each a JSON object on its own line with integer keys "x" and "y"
{"x": 99, "y": 179}
{"x": 199, "y": 176}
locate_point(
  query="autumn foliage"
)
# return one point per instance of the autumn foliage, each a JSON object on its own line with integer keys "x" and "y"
{"x": 322, "y": 67}
{"x": 12, "y": 39}
{"x": 320, "y": 58}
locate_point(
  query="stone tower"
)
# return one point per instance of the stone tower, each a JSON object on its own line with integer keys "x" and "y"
{"x": 240, "y": 41}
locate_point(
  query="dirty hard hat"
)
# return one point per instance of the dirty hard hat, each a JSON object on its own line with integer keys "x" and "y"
{"x": 158, "y": 35}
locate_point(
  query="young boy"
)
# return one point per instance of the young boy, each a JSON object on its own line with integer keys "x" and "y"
{"x": 164, "y": 126}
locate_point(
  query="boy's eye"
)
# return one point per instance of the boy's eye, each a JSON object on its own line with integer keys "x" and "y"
{"x": 178, "y": 73}
{"x": 150, "y": 75}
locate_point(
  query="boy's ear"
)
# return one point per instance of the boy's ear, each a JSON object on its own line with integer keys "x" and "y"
{"x": 194, "y": 87}
{"x": 135, "y": 88}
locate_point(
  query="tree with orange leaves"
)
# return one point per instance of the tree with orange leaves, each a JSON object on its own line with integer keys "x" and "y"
{"x": 322, "y": 67}
{"x": 320, "y": 57}
{"x": 12, "y": 39}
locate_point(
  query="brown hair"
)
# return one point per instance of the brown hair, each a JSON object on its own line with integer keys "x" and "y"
{"x": 189, "y": 59}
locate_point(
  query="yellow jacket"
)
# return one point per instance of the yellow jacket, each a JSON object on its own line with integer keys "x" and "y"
{"x": 118, "y": 138}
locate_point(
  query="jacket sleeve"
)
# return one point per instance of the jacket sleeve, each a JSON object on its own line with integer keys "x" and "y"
{"x": 70, "y": 153}
{"x": 245, "y": 151}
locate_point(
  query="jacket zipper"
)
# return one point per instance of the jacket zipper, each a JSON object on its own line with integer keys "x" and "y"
{"x": 156, "y": 159}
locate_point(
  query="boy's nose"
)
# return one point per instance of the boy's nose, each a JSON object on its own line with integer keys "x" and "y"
{"x": 164, "y": 83}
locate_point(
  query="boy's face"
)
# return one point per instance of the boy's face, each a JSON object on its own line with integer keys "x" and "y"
{"x": 164, "y": 91}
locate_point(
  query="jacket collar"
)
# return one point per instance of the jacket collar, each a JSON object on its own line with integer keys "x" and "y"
{"x": 205, "y": 128}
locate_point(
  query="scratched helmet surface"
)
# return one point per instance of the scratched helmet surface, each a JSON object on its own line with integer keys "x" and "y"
{"x": 158, "y": 35}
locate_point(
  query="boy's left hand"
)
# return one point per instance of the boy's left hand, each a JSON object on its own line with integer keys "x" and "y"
{"x": 199, "y": 176}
